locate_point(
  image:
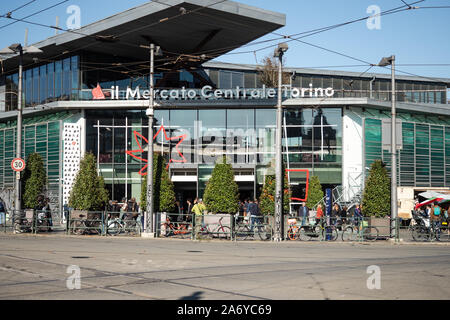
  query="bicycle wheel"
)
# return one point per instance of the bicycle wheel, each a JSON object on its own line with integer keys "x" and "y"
{"x": 293, "y": 233}
{"x": 242, "y": 232}
{"x": 349, "y": 234}
{"x": 329, "y": 234}
{"x": 370, "y": 234}
{"x": 223, "y": 232}
{"x": 114, "y": 228}
{"x": 77, "y": 227}
{"x": 306, "y": 234}
{"x": 264, "y": 232}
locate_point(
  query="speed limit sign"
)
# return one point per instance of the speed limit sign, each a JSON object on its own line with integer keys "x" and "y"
{"x": 18, "y": 165}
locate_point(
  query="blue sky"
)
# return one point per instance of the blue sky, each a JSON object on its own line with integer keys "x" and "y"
{"x": 414, "y": 36}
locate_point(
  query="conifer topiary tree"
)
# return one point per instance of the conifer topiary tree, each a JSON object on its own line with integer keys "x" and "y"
{"x": 163, "y": 188}
{"x": 34, "y": 180}
{"x": 88, "y": 192}
{"x": 376, "y": 201}
{"x": 315, "y": 192}
{"x": 222, "y": 192}
{"x": 267, "y": 198}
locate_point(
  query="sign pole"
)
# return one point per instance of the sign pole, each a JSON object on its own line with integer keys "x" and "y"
{"x": 17, "y": 195}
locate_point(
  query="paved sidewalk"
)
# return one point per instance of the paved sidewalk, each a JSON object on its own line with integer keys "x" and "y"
{"x": 35, "y": 267}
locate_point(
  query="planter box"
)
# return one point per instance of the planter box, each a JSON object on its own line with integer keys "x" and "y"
{"x": 85, "y": 215}
{"x": 382, "y": 224}
{"x": 213, "y": 219}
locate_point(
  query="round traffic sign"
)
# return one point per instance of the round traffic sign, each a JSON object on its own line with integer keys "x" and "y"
{"x": 18, "y": 164}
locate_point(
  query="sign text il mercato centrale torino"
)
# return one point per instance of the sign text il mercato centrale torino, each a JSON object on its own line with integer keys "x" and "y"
{"x": 207, "y": 92}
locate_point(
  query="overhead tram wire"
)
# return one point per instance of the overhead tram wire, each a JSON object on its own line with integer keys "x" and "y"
{"x": 33, "y": 14}
{"x": 112, "y": 36}
{"x": 305, "y": 33}
{"x": 18, "y": 8}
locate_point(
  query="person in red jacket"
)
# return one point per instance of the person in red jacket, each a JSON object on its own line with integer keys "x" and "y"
{"x": 319, "y": 214}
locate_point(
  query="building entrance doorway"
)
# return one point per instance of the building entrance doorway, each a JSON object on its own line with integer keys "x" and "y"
{"x": 185, "y": 191}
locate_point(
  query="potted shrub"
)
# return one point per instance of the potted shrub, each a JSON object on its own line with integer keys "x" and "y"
{"x": 315, "y": 193}
{"x": 163, "y": 189}
{"x": 88, "y": 193}
{"x": 376, "y": 201}
{"x": 221, "y": 195}
{"x": 267, "y": 197}
{"x": 33, "y": 183}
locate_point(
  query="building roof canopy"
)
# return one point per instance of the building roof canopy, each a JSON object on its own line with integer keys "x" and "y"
{"x": 192, "y": 27}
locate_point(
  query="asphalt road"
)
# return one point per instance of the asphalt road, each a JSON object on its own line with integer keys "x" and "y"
{"x": 35, "y": 267}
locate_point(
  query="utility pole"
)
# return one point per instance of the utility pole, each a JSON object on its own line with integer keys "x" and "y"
{"x": 149, "y": 223}
{"x": 383, "y": 63}
{"x": 18, "y": 193}
{"x": 394, "y": 204}
{"x": 279, "y": 52}
{"x": 148, "y": 220}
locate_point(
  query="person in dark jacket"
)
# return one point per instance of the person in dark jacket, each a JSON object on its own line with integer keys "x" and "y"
{"x": 335, "y": 213}
{"x": 304, "y": 213}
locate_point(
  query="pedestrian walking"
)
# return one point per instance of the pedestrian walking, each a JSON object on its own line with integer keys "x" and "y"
{"x": 199, "y": 210}
{"x": 304, "y": 213}
{"x": 319, "y": 214}
{"x": 435, "y": 219}
{"x": 48, "y": 214}
{"x": 252, "y": 211}
{"x": 2, "y": 214}
{"x": 188, "y": 215}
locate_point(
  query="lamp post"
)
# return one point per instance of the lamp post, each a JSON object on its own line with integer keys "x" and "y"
{"x": 18, "y": 49}
{"x": 149, "y": 229}
{"x": 279, "y": 52}
{"x": 383, "y": 63}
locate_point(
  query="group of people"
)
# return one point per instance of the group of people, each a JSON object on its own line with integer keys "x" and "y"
{"x": 337, "y": 215}
{"x": 436, "y": 214}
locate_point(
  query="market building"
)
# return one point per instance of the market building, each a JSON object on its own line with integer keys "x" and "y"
{"x": 88, "y": 92}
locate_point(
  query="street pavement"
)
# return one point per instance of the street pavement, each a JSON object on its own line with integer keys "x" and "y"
{"x": 36, "y": 267}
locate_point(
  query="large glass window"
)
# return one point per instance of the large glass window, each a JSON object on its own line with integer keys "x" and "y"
{"x": 35, "y": 99}
{"x": 241, "y": 135}
{"x": 43, "y": 83}
{"x": 67, "y": 87}
{"x": 213, "y": 133}
{"x": 182, "y": 123}
{"x": 75, "y": 76}
{"x": 28, "y": 87}
{"x": 58, "y": 79}
{"x": 50, "y": 82}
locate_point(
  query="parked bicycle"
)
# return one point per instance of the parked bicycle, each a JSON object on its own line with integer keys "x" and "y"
{"x": 116, "y": 226}
{"x": 360, "y": 230}
{"x": 181, "y": 229}
{"x": 312, "y": 230}
{"x": 261, "y": 230}
{"x": 220, "y": 231}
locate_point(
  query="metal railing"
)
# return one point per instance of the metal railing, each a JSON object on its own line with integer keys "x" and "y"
{"x": 232, "y": 227}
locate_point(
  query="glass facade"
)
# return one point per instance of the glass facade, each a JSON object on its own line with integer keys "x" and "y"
{"x": 196, "y": 139}
{"x": 44, "y": 84}
{"x": 41, "y": 135}
{"x": 73, "y": 78}
{"x": 424, "y": 160}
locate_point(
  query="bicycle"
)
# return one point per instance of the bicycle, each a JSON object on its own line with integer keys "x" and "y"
{"x": 321, "y": 231}
{"x": 262, "y": 230}
{"x": 221, "y": 231}
{"x": 360, "y": 230}
{"x": 83, "y": 226}
{"x": 421, "y": 229}
{"x": 182, "y": 229}
{"x": 128, "y": 226}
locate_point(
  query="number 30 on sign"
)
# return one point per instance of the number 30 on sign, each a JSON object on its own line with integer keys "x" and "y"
{"x": 18, "y": 165}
